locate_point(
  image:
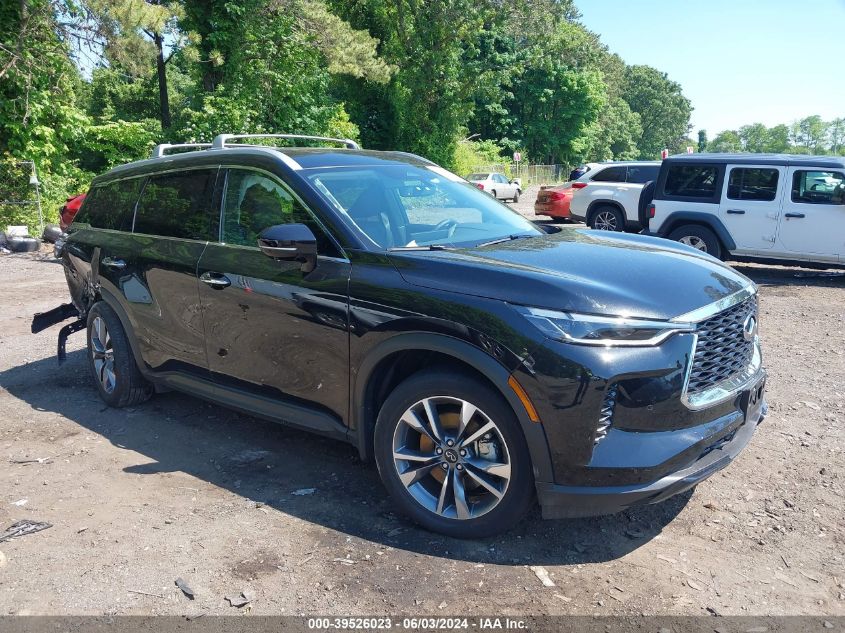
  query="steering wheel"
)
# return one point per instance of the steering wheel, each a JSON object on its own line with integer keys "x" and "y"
{"x": 447, "y": 223}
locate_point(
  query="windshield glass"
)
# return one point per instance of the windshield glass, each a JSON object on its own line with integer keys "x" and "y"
{"x": 403, "y": 206}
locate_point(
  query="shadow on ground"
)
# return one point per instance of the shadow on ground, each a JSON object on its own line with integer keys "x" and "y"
{"x": 266, "y": 462}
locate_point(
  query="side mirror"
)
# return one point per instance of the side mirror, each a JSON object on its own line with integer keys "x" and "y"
{"x": 290, "y": 242}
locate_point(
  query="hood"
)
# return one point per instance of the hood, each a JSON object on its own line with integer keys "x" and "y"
{"x": 579, "y": 270}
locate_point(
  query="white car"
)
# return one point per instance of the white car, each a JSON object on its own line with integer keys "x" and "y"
{"x": 497, "y": 185}
{"x": 753, "y": 206}
{"x": 607, "y": 197}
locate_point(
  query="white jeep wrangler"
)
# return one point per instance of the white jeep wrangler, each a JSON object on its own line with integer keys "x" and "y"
{"x": 752, "y": 206}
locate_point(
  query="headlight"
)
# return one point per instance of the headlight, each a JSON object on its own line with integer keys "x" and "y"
{"x": 589, "y": 329}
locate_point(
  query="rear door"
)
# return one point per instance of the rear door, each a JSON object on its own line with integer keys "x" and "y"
{"x": 813, "y": 219}
{"x": 751, "y": 205}
{"x": 272, "y": 330}
{"x": 174, "y": 221}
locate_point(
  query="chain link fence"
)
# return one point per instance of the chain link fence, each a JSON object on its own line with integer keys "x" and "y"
{"x": 528, "y": 174}
{"x": 20, "y": 196}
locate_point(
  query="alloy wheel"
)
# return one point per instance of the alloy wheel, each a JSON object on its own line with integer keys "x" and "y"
{"x": 606, "y": 221}
{"x": 451, "y": 457}
{"x": 103, "y": 354}
{"x": 694, "y": 241}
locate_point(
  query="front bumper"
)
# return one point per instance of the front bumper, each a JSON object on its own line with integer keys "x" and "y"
{"x": 563, "y": 501}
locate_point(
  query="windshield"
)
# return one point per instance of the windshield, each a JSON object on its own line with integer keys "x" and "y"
{"x": 403, "y": 206}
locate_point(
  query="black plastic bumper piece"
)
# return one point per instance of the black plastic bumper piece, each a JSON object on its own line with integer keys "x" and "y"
{"x": 42, "y": 320}
{"x": 66, "y": 331}
{"x": 560, "y": 501}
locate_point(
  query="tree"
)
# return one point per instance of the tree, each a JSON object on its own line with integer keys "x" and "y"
{"x": 702, "y": 141}
{"x": 664, "y": 110}
{"x": 726, "y": 142}
{"x": 836, "y": 135}
{"x": 754, "y": 138}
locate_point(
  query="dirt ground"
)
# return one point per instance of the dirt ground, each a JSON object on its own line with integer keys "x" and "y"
{"x": 178, "y": 488}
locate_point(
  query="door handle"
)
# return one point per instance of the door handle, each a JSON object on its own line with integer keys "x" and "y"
{"x": 111, "y": 262}
{"x": 794, "y": 215}
{"x": 218, "y": 281}
{"x": 736, "y": 211}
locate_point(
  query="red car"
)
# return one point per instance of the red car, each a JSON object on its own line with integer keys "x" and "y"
{"x": 69, "y": 210}
{"x": 554, "y": 201}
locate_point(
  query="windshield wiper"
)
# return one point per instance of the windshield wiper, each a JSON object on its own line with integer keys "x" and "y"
{"x": 503, "y": 239}
{"x": 429, "y": 247}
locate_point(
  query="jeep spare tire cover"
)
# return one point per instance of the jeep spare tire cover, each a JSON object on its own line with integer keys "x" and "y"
{"x": 25, "y": 244}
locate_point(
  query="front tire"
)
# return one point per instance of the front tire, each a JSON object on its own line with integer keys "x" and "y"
{"x": 607, "y": 219}
{"x": 698, "y": 237}
{"x": 111, "y": 360}
{"x": 451, "y": 454}
{"x": 516, "y": 196}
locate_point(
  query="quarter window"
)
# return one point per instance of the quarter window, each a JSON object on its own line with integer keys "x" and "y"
{"x": 110, "y": 206}
{"x": 691, "y": 181}
{"x": 611, "y": 174}
{"x": 255, "y": 202}
{"x": 753, "y": 184}
{"x": 818, "y": 187}
{"x": 178, "y": 205}
{"x": 641, "y": 174}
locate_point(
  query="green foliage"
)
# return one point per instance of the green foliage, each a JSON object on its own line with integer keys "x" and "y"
{"x": 810, "y": 135}
{"x": 470, "y": 154}
{"x": 664, "y": 110}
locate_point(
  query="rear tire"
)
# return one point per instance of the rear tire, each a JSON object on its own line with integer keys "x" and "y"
{"x": 20, "y": 244}
{"x": 478, "y": 485}
{"x": 111, "y": 360}
{"x": 607, "y": 219}
{"x": 698, "y": 237}
{"x": 493, "y": 193}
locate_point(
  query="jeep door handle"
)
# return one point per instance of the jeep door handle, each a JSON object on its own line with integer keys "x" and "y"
{"x": 111, "y": 262}
{"x": 218, "y": 281}
{"x": 736, "y": 211}
{"x": 795, "y": 215}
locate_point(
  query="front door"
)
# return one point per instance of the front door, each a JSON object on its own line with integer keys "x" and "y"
{"x": 751, "y": 204}
{"x": 813, "y": 220}
{"x": 272, "y": 330}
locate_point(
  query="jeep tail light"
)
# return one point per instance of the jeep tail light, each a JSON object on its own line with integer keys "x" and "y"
{"x": 480, "y": 185}
{"x": 651, "y": 211}
{"x": 579, "y": 185}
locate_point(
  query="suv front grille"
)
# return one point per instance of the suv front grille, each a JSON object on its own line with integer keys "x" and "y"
{"x": 722, "y": 351}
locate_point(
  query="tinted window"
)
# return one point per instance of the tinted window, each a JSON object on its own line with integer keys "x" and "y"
{"x": 753, "y": 184}
{"x": 477, "y": 176}
{"x": 110, "y": 206}
{"x": 254, "y": 202}
{"x": 818, "y": 187}
{"x": 641, "y": 174}
{"x": 178, "y": 205}
{"x": 611, "y": 174}
{"x": 691, "y": 181}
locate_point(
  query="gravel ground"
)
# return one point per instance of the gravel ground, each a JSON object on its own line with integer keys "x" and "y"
{"x": 178, "y": 488}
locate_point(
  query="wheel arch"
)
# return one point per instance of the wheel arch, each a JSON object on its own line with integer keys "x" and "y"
{"x": 110, "y": 300}
{"x": 595, "y": 205}
{"x": 397, "y": 358}
{"x": 708, "y": 220}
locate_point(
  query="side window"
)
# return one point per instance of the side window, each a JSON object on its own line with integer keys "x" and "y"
{"x": 611, "y": 174}
{"x": 818, "y": 187}
{"x": 641, "y": 174}
{"x": 178, "y": 205}
{"x": 110, "y": 206}
{"x": 751, "y": 183}
{"x": 254, "y": 202}
{"x": 691, "y": 181}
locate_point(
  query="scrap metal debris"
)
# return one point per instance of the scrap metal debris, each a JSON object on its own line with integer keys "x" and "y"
{"x": 37, "y": 460}
{"x": 186, "y": 589}
{"x": 22, "y": 528}
{"x": 245, "y": 597}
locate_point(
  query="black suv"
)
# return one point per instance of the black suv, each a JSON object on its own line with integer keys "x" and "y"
{"x": 377, "y": 298}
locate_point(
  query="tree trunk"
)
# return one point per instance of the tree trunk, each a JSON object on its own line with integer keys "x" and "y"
{"x": 163, "y": 98}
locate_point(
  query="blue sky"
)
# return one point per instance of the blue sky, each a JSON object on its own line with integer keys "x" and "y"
{"x": 739, "y": 61}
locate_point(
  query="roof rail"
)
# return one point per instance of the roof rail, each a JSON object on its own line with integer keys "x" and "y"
{"x": 222, "y": 140}
{"x": 161, "y": 150}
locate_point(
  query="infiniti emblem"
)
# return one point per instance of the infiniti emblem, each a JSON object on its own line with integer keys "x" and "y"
{"x": 451, "y": 456}
{"x": 749, "y": 328}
